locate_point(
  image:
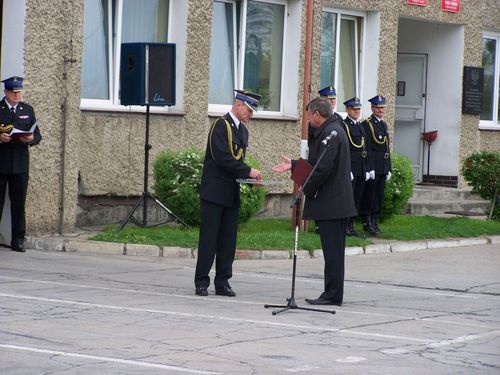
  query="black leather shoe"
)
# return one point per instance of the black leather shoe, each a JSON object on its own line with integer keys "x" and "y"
{"x": 370, "y": 229}
{"x": 19, "y": 248}
{"x": 322, "y": 301}
{"x": 201, "y": 291}
{"x": 225, "y": 291}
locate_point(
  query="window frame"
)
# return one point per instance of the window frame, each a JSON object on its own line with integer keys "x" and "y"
{"x": 114, "y": 35}
{"x": 493, "y": 124}
{"x": 239, "y": 64}
{"x": 360, "y": 26}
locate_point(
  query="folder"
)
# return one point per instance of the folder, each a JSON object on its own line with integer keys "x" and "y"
{"x": 301, "y": 171}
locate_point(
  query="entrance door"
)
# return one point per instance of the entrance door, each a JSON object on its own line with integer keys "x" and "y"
{"x": 410, "y": 109}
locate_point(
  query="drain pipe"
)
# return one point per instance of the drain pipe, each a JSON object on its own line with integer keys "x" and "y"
{"x": 307, "y": 77}
{"x": 306, "y": 96}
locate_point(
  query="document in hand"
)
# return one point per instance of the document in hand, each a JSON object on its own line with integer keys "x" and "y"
{"x": 16, "y": 133}
{"x": 301, "y": 171}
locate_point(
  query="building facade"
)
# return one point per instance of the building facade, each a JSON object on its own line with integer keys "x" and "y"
{"x": 412, "y": 52}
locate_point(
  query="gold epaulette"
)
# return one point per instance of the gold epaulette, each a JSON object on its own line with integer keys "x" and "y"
{"x": 229, "y": 140}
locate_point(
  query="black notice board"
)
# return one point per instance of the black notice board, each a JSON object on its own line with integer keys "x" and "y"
{"x": 472, "y": 95}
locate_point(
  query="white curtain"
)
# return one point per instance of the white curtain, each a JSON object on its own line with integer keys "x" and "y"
{"x": 95, "y": 75}
{"x": 222, "y": 52}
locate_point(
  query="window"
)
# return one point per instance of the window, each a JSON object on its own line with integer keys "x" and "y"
{"x": 247, "y": 51}
{"x": 107, "y": 24}
{"x": 490, "y": 115}
{"x": 340, "y": 66}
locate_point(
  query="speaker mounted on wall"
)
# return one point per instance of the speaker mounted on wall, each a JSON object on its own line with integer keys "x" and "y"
{"x": 147, "y": 74}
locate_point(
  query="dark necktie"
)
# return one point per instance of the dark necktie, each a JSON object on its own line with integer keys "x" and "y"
{"x": 12, "y": 114}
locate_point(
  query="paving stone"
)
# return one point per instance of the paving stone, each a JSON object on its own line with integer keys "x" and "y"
{"x": 378, "y": 249}
{"x": 358, "y": 250}
{"x": 142, "y": 250}
{"x": 399, "y": 247}
{"x": 176, "y": 252}
{"x": 473, "y": 241}
{"x": 437, "y": 244}
{"x": 96, "y": 247}
{"x": 248, "y": 254}
{"x": 275, "y": 254}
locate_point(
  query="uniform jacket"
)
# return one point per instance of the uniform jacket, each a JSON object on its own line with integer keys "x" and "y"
{"x": 379, "y": 145}
{"x": 222, "y": 166}
{"x": 357, "y": 144}
{"x": 329, "y": 191}
{"x": 14, "y": 155}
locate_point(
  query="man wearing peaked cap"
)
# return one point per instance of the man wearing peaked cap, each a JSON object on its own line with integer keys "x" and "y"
{"x": 220, "y": 194}
{"x": 359, "y": 156}
{"x": 14, "y": 155}
{"x": 379, "y": 149}
{"x": 249, "y": 98}
{"x": 14, "y": 84}
{"x": 330, "y": 93}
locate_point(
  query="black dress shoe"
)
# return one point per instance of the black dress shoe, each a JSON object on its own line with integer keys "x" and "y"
{"x": 19, "y": 248}
{"x": 322, "y": 301}
{"x": 225, "y": 291}
{"x": 201, "y": 291}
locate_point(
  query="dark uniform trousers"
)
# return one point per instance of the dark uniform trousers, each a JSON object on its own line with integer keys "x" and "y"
{"x": 222, "y": 220}
{"x": 332, "y": 235}
{"x": 373, "y": 198}
{"x": 18, "y": 187}
{"x": 358, "y": 186}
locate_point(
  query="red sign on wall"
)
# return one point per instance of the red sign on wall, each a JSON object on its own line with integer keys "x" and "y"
{"x": 450, "y": 5}
{"x": 422, "y": 3}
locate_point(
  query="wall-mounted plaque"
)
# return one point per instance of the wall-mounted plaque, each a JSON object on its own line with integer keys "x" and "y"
{"x": 472, "y": 91}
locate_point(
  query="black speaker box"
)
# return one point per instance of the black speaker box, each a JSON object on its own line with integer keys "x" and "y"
{"x": 147, "y": 74}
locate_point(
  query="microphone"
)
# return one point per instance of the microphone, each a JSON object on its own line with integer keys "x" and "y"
{"x": 333, "y": 134}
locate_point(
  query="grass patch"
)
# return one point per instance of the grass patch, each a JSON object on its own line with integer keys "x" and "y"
{"x": 278, "y": 234}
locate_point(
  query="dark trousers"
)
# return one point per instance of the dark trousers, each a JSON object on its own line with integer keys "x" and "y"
{"x": 18, "y": 187}
{"x": 373, "y": 196}
{"x": 358, "y": 186}
{"x": 332, "y": 235}
{"x": 218, "y": 230}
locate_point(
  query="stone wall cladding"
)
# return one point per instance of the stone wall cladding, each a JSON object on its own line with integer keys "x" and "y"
{"x": 104, "y": 151}
{"x": 52, "y": 32}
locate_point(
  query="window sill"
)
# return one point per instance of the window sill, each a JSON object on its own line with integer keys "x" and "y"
{"x": 489, "y": 127}
{"x": 131, "y": 109}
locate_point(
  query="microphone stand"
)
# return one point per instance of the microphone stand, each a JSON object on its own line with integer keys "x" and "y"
{"x": 291, "y": 304}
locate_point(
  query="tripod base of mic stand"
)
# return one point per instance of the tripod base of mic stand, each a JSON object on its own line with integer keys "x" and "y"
{"x": 291, "y": 305}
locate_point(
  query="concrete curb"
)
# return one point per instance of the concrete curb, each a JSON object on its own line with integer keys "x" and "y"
{"x": 111, "y": 248}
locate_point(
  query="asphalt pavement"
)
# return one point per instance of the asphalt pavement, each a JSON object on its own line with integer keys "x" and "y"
{"x": 431, "y": 311}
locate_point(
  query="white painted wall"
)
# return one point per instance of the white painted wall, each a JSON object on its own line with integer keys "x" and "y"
{"x": 444, "y": 46}
{"x": 14, "y": 12}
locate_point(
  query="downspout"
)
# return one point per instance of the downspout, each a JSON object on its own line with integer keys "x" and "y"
{"x": 64, "y": 110}
{"x": 306, "y": 97}
{"x": 307, "y": 77}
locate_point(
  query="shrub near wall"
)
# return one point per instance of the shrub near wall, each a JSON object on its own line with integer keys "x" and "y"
{"x": 177, "y": 177}
{"x": 399, "y": 189}
{"x": 481, "y": 170}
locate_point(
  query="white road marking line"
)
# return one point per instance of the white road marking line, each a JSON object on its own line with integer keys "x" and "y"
{"x": 236, "y": 301}
{"x": 106, "y": 359}
{"x": 220, "y": 318}
{"x": 350, "y": 359}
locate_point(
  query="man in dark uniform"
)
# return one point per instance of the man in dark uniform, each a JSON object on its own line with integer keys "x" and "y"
{"x": 359, "y": 156}
{"x": 14, "y": 155}
{"x": 220, "y": 194}
{"x": 379, "y": 150}
{"x": 329, "y": 198}
{"x": 330, "y": 93}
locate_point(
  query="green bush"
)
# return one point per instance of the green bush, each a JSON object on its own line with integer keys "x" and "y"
{"x": 481, "y": 170}
{"x": 177, "y": 177}
{"x": 399, "y": 188}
